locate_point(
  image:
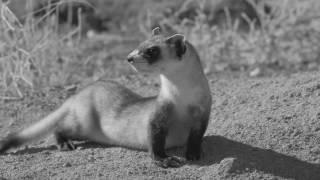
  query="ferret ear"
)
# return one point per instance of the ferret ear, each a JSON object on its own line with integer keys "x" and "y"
{"x": 156, "y": 31}
{"x": 178, "y": 41}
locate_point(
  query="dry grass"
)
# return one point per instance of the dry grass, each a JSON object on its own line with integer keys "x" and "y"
{"x": 288, "y": 40}
{"x": 31, "y": 54}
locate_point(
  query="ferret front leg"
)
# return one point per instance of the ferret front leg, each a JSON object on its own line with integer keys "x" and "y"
{"x": 194, "y": 145}
{"x": 157, "y": 133}
{"x": 196, "y": 133}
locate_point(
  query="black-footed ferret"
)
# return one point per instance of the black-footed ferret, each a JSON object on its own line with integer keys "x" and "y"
{"x": 109, "y": 113}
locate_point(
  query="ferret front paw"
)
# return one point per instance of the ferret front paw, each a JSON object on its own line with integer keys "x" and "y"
{"x": 170, "y": 161}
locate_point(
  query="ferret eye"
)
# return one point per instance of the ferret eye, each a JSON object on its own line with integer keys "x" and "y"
{"x": 153, "y": 52}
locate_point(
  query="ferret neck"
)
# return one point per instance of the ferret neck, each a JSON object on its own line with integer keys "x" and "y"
{"x": 185, "y": 84}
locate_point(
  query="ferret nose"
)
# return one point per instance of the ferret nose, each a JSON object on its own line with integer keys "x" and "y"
{"x": 130, "y": 59}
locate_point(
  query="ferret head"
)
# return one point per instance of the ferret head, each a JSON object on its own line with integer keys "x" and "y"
{"x": 159, "y": 54}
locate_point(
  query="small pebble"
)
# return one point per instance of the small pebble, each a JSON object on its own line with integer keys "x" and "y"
{"x": 91, "y": 159}
{"x": 67, "y": 164}
{"x": 255, "y": 73}
{"x": 80, "y": 148}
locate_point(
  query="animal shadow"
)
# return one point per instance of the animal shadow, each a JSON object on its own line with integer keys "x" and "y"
{"x": 34, "y": 150}
{"x": 217, "y": 148}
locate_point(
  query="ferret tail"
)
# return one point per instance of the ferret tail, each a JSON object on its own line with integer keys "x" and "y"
{"x": 35, "y": 131}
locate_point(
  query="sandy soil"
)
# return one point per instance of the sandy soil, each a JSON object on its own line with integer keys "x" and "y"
{"x": 265, "y": 128}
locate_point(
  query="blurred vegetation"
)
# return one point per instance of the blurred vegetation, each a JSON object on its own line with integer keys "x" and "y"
{"x": 36, "y": 50}
{"x": 288, "y": 41}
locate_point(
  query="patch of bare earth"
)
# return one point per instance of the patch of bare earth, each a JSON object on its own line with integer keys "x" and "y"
{"x": 260, "y": 128}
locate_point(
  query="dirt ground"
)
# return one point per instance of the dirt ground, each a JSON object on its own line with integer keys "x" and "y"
{"x": 264, "y": 128}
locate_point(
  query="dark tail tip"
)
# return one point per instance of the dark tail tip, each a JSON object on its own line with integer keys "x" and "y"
{"x": 9, "y": 142}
